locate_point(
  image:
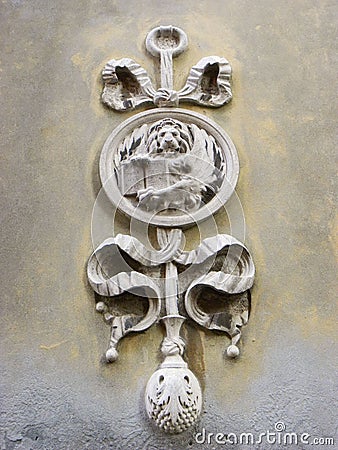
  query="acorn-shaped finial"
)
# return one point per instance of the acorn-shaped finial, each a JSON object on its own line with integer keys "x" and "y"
{"x": 173, "y": 399}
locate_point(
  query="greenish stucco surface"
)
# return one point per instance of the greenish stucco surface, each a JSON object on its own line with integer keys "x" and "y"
{"x": 56, "y": 393}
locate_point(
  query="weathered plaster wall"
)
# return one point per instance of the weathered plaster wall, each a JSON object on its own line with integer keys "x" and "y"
{"x": 56, "y": 394}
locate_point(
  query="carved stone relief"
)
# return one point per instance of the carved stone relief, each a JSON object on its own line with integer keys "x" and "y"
{"x": 170, "y": 169}
{"x": 127, "y": 84}
{"x": 166, "y": 160}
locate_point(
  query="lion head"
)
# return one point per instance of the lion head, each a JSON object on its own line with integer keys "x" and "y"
{"x": 168, "y": 136}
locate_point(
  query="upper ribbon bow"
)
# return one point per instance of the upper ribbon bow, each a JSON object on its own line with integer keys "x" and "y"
{"x": 127, "y": 84}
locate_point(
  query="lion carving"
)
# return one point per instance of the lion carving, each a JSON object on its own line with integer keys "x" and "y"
{"x": 169, "y": 164}
{"x": 184, "y": 194}
{"x": 168, "y": 136}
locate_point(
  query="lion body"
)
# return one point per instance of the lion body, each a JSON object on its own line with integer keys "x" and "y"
{"x": 183, "y": 195}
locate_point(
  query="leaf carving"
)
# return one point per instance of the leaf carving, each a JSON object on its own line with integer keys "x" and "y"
{"x": 173, "y": 399}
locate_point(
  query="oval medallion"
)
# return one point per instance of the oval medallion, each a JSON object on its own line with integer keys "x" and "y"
{"x": 169, "y": 167}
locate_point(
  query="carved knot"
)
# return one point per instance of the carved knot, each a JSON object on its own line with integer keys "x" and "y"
{"x": 166, "y": 97}
{"x": 172, "y": 346}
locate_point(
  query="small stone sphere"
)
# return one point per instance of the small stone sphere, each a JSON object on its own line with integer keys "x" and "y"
{"x": 100, "y": 307}
{"x": 232, "y": 351}
{"x": 111, "y": 355}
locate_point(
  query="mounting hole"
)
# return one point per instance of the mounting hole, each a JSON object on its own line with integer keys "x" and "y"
{"x": 166, "y": 38}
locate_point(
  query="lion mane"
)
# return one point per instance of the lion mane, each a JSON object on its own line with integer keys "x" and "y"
{"x": 169, "y": 135}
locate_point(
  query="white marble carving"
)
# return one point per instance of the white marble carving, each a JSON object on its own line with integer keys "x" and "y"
{"x": 176, "y": 166}
{"x": 173, "y": 395}
{"x": 222, "y": 251}
{"x": 127, "y": 84}
{"x": 170, "y": 169}
{"x": 180, "y": 151}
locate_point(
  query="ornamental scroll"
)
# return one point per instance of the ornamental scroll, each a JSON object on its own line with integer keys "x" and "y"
{"x": 170, "y": 169}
